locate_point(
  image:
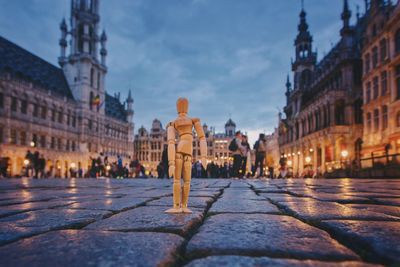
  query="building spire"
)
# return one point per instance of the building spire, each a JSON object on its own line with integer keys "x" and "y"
{"x": 346, "y": 14}
{"x": 288, "y": 84}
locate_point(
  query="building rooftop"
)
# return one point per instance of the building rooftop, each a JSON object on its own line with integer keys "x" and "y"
{"x": 23, "y": 64}
{"x": 114, "y": 108}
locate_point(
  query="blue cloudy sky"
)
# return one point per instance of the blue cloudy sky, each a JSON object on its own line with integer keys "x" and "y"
{"x": 229, "y": 57}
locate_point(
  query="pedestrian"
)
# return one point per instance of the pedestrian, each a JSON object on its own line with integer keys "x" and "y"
{"x": 236, "y": 148}
{"x": 260, "y": 149}
{"x": 42, "y": 166}
{"x": 246, "y": 160}
{"x": 36, "y": 165}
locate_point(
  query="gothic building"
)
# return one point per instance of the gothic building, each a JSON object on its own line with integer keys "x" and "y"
{"x": 63, "y": 113}
{"x": 381, "y": 80}
{"x": 322, "y": 128}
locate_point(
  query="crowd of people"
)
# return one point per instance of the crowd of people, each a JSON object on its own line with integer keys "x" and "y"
{"x": 240, "y": 167}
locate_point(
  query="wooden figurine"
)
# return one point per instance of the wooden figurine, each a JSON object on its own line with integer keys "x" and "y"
{"x": 180, "y": 158}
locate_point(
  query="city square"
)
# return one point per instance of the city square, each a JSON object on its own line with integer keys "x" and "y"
{"x": 108, "y": 222}
{"x": 200, "y": 133}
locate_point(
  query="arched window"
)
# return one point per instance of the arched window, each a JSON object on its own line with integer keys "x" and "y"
{"x": 384, "y": 117}
{"x": 376, "y": 120}
{"x": 91, "y": 100}
{"x": 374, "y": 56}
{"x": 369, "y": 122}
{"x": 383, "y": 49}
{"x": 367, "y": 63}
{"x": 305, "y": 79}
{"x": 358, "y": 111}
{"x": 80, "y": 37}
{"x": 340, "y": 112}
{"x": 367, "y": 92}
{"x": 397, "y": 41}
{"x": 91, "y": 77}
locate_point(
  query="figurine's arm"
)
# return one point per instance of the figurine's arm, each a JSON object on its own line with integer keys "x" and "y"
{"x": 171, "y": 149}
{"x": 203, "y": 142}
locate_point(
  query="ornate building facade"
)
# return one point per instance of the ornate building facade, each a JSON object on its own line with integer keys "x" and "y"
{"x": 381, "y": 80}
{"x": 322, "y": 128}
{"x": 63, "y": 113}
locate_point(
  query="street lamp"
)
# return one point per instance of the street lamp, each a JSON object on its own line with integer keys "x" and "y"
{"x": 32, "y": 144}
{"x": 308, "y": 159}
{"x": 26, "y": 162}
{"x": 73, "y": 165}
{"x": 344, "y": 153}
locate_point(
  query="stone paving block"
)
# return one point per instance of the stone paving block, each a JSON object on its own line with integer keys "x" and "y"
{"x": 204, "y": 193}
{"x": 319, "y": 210}
{"x": 34, "y": 222}
{"x": 30, "y": 206}
{"x": 283, "y": 197}
{"x": 150, "y": 218}
{"x": 389, "y": 201}
{"x": 245, "y": 261}
{"x": 383, "y": 238}
{"x": 264, "y": 235}
{"x": 389, "y": 210}
{"x": 113, "y": 204}
{"x": 92, "y": 248}
{"x": 234, "y": 205}
{"x": 196, "y": 202}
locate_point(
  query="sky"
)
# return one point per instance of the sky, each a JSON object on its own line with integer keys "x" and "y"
{"x": 230, "y": 58}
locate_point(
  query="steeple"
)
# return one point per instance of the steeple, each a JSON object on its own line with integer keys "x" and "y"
{"x": 305, "y": 59}
{"x": 63, "y": 42}
{"x": 346, "y": 15}
{"x": 288, "y": 88}
{"x": 129, "y": 109}
{"x": 103, "y": 50}
{"x": 84, "y": 71}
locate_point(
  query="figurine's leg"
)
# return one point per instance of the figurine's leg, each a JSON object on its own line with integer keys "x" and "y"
{"x": 187, "y": 175}
{"x": 177, "y": 185}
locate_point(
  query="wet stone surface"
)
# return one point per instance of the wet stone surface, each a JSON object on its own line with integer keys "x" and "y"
{"x": 264, "y": 234}
{"x": 108, "y": 222}
{"x": 92, "y": 248}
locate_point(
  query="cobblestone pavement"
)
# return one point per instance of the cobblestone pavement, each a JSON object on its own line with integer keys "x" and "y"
{"x": 297, "y": 222}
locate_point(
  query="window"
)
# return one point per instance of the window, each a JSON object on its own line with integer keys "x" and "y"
{"x": 60, "y": 117}
{"x": 340, "y": 112}
{"x": 91, "y": 100}
{"x": 376, "y": 120}
{"x": 91, "y": 77}
{"x": 369, "y": 122}
{"x": 53, "y": 115}
{"x": 374, "y": 57}
{"x": 53, "y": 143}
{"x": 59, "y": 144}
{"x": 1, "y": 100}
{"x": 383, "y": 48}
{"x": 367, "y": 63}
{"x": 13, "y": 136}
{"x": 44, "y": 112}
{"x": 90, "y": 124}
{"x": 74, "y": 121}
{"x": 35, "y": 110}
{"x": 398, "y": 81}
{"x": 384, "y": 83}
{"x": 14, "y": 104}
{"x": 67, "y": 146}
{"x": 375, "y": 85}
{"x": 358, "y": 111}
{"x": 73, "y": 145}
{"x": 22, "y": 138}
{"x": 384, "y": 117}
{"x": 43, "y": 141}
{"x": 68, "y": 118}
{"x": 98, "y": 80}
{"x": 368, "y": 92}
{"x": 24, "y": 106}
{"x": 397, "y": 41}
{"x": 398, "y": 119}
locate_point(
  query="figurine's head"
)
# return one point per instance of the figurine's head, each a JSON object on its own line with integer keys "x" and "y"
{"x": 182, "y": 105}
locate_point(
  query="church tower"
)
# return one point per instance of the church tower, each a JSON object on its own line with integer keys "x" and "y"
{"x": 130, "y": 112}
{"x": 84, "y": 71}
{"x": 305, "y": 58}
